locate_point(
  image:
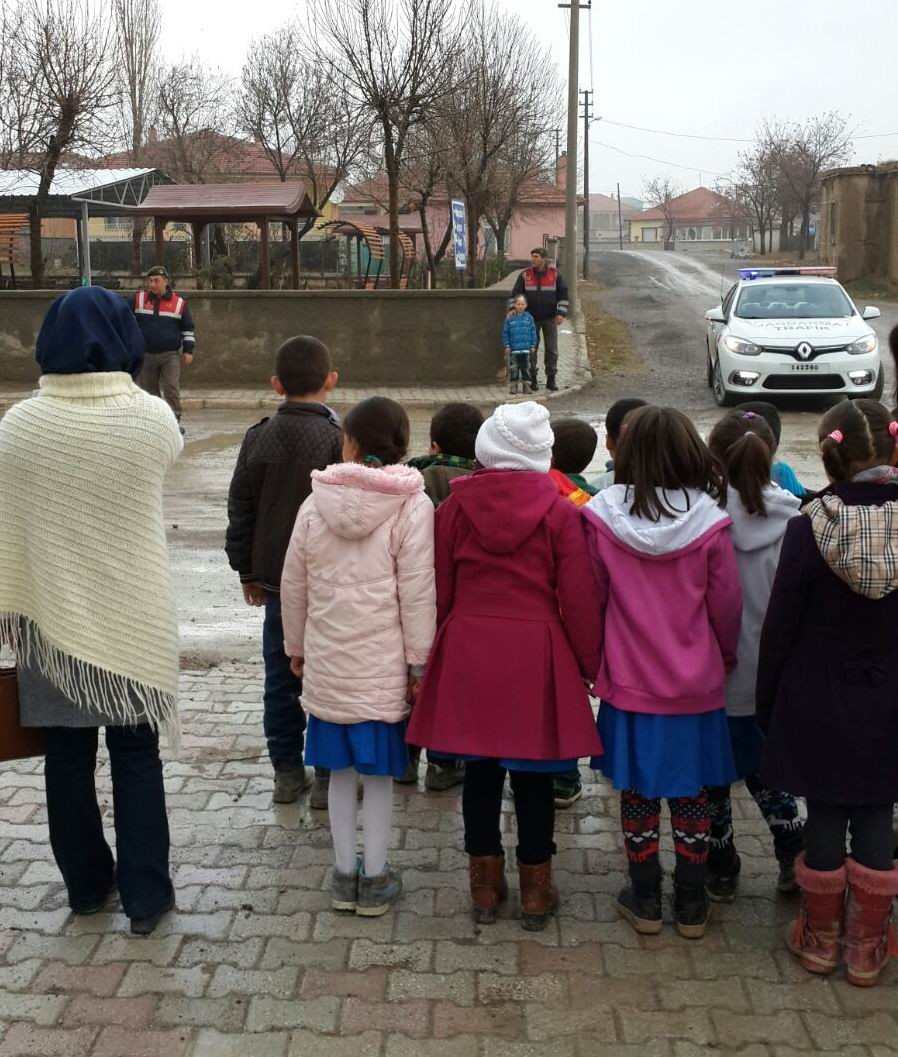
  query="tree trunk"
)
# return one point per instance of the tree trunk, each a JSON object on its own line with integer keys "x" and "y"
{"x": 763, "y": 248}
{"x": 37, "y": 250}
{"x": 473, "y": 232}
{"x": 501, "y": 230}
{"x": 393, "y": 206}
{"x": 136, "y": 244}
{"x": 428, "y": 249}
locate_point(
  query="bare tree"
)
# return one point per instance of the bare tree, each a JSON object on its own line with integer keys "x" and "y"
{"x": 756, "y": 187}
{"x": 401, "y": 58}
{"x": 138, "y": 24}
{"x": 803, "y": 152}
{"x": 57, "y": 95}
{"x": 493, "y": 103}
{"x": 424, "y": 179}
{"x": 195, "y": 105}
{"x": 660, "y": 193}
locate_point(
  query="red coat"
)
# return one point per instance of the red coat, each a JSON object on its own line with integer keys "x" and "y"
{"x": 518, "y": 624}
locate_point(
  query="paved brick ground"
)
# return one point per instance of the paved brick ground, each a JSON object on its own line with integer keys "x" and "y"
{"x": 254, "y": 963}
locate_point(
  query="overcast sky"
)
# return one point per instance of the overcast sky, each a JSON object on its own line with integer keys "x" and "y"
{"x": 705, "y": 67}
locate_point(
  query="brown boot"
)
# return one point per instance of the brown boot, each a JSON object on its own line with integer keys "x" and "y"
{"x": 488, "y": 886}
{"x": 815, "y": 936}
{"x": 539, "y": 897}
{"x": 868, "y": 918}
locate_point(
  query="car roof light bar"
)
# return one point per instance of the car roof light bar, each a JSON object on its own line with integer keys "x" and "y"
{"x": 771, "y": 273}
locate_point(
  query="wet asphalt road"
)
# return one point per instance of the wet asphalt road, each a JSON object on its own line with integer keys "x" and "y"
{"x": 661, "y": 296}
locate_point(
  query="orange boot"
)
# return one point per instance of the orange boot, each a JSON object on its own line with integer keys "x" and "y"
{"x": 488, "y": 887}
{"x": 815, "y": 936}
{"x": 539, "y": 897}
{"x": 868, "y": 917}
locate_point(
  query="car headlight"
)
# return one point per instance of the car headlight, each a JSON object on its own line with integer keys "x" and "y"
{"x": 741, "y": 347}
{"x": 866, "y": 344}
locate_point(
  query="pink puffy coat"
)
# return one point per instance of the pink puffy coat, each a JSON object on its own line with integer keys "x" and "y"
{"x": 357, "y": 592}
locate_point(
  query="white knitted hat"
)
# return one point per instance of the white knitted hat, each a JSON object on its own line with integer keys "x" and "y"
{"x": 516, "y": 437}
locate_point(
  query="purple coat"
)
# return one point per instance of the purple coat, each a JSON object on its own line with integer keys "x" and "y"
{"x": 518, "y": 624}
{"x": 827, "y": 691}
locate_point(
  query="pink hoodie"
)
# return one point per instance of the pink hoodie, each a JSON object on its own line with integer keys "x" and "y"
{"x": 358, "y": 594}
{"x": 671, "y": 603}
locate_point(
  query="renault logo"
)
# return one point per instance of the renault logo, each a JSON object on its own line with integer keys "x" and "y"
{"x": 805, "y": 351}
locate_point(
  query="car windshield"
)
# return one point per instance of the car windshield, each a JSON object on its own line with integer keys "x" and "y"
{"x": 793, "y": 301}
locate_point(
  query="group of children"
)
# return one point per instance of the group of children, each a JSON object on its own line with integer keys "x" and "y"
{"x": 473, "y": 601}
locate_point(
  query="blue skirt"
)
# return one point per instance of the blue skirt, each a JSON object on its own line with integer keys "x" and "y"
{"x": 747, "y": 742}
{"x": 664, "y": 756}
{"x": 372, "y": 747}
{"x": 529, "y": 766}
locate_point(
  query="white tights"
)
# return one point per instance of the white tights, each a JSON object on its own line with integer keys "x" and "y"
{"x": 377, "y": 819}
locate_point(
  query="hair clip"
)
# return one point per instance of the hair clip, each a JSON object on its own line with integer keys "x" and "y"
{"x": 893, "y": 429}
{"x": 372, "y": 460}
{"x": 837, "y": 435}
{"x": 749, "y": 415}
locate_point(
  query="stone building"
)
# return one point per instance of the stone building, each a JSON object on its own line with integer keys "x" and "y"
{"x": 858, "y": 223}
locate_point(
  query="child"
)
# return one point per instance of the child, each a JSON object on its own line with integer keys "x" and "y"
{"x": 517, "y": 638}
{"x": 271, "y": 480}
{"x": 453, "y": 431}
{"x": 743, "y": 445}
{"x": 614, "y": 424}
{"x": 359, "y": 615}
{"x": 670, "y": 604}
{"x": 573, "y": 450}
{"x": 827, "y": 672}
{"x": 781, "y": 472}
{"x": 520, "y": 339}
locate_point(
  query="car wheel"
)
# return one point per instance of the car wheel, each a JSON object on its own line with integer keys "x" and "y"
{"x": 722, "y": 396}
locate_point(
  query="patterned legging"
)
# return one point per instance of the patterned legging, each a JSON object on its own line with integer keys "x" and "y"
{"x": 780, "y": 812}
{"x": 641, "y": 823}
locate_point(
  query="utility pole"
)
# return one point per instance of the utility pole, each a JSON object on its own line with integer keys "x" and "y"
{"x": 620, "y": 221}
{"x": 587, "y": 104}
{"x": 570, "y": 212}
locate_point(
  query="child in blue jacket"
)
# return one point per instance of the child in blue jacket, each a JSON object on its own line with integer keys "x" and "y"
{"x": 519, "y": 338}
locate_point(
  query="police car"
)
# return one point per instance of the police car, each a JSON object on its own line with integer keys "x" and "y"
{"x": 791, "y": 332}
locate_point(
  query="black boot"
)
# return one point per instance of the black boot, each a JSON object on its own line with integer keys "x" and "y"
{"x": 723, "y": 877}
{"x": 640, "y": 904}
{"x": 551, "y": 384}
{"x": 692, "y": 909}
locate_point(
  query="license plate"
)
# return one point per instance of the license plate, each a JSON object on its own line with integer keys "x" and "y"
{"x": 805, "y": 366}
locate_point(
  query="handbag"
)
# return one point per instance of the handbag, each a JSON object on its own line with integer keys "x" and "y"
{"x": 16, "y": 742}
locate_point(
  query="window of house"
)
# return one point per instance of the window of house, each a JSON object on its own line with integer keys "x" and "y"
{"x": 116, "y": 224}
{"x": 718, "y": 234}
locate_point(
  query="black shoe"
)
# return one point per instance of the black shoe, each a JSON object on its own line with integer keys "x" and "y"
{"x": 534, "y": 384}
{"x": 88, "y": 909}
{"x": 692, "y": 910}
{"x": 144, "y": 926}
{"x": 642, "y": 911}
{"x": 722, "y": 883}
{"x": 552, "y": 386}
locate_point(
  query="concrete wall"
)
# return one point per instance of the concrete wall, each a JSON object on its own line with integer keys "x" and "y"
{"x": 859, "y": 222}
{"x": 388, "y": 337}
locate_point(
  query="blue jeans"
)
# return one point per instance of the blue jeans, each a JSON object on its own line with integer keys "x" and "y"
{"x": 141, "y": 824}
{"x": 284, "y": 719}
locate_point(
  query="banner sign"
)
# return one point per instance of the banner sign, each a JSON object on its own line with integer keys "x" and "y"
{"x": 460, "y": 233}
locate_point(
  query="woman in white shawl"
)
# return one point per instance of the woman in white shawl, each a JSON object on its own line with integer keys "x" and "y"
{"x": 85, "y": 596}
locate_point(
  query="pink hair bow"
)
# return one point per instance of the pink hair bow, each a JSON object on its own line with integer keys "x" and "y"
{"x": 837, "y": 435}
{"x": 893, "y": 429}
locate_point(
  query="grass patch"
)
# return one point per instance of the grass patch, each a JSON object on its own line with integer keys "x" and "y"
{"x": 608, "y": 339}
{"x": 872, "y": 290}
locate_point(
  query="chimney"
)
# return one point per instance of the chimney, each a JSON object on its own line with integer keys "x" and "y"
{"x": 561, "y": 171}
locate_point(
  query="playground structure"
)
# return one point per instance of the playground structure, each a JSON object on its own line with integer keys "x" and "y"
{"x": 366, "y": 244}
{"x": 12, "y": 227}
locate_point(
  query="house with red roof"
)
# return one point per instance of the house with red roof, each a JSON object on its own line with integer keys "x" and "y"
{"x": 700, "y": 215}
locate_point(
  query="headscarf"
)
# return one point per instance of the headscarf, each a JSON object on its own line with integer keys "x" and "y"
{"x": 89, "y": 329}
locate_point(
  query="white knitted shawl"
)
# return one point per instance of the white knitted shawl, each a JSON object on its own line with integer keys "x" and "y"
{"x": 85, "y": 587}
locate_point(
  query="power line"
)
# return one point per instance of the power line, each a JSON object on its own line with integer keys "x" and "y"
{"x": 660, "y": 161}
{"x": 721, "y": 139}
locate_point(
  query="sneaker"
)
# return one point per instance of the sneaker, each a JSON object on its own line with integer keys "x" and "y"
{"x": 144, "y": 926}
{"x": 568, "y": 789}
{"x": 378, "y": 894}
{"x": 722, "y": 884}
{"x": 288, "y": 784}
{"x": 318, "y": 796}
{"x": 443, "y": 776}
{"x": 643, "y": 912}
{"x": 345, "y": 889}
{"x": 692, "y": 910}
{"x": 786, "y": 883}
